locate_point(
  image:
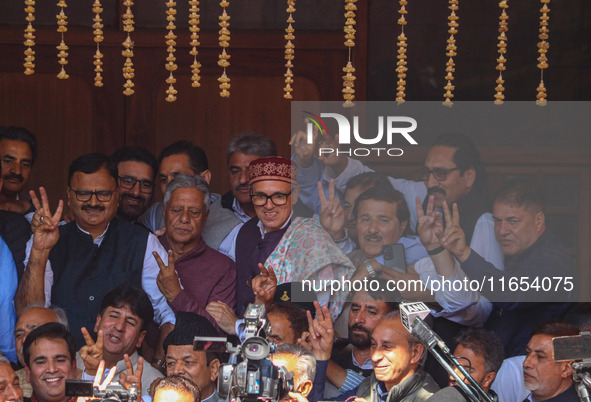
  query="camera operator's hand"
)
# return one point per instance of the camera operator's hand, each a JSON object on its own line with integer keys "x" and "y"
{"x": 296, "y": 396}
{"x": 223, "y": 315}
{"x": 131, "y": 377}
{"x": 92, "y": 353}
{"x": 264, "y": 286}
{"x": 321, "y": 333}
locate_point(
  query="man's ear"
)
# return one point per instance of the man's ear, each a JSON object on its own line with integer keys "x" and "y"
{"x": 68, "y": 191}
{"x": 28, "y": 373}
{"x": 206, "y": 174}
{"x": 566, "y": 370}
{"x": 214, "y": 370}
{"x": 469, "y": 176}
{"x": 97, "y": 323}
{"x": 416, "y": 353}
{"x": 488, "y": 379}
{"x": 403, "y": 226}
{"x": 140, "y": 339}
{"x": 305, "y": 388}
{"x": 540, "y": 221}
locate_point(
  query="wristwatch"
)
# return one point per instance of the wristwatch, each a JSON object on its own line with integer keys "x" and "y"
{"x": 370, "y": 270}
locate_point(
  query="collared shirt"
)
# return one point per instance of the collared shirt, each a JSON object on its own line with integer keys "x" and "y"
{"x": 354, "y": 378}
{"x": 8, "y": 286}
{"x": 239, "y": 212}
{"x": 162, "y": 311}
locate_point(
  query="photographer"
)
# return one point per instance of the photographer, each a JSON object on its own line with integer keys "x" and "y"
{"x": 176, "y": 389}
{"x": 299, "y": 361}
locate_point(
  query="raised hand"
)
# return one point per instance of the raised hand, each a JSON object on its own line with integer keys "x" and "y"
{"x": 130, "y": 377}
{"x": 224, "y": 315}
{"x": 321, "y": 333}
{"x": 92, "y": 353}
{"x": 454, "y": 238}
{"x": 429, "y": 224}
{"x": 332, "y": 214}
{"x": 43, "y": 224}
{"x": 264, "y": 285}
{"x": 304, "y": 152}
{"x": 167, "y": 279}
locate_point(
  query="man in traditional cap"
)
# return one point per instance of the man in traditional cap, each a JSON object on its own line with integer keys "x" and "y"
{"x": 297, "y": 249}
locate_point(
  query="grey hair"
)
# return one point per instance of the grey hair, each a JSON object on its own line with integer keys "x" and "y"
{"x": 187, "y": 181}
{"x": 252, "y": 144}
{"x": 59, "y": 312}
{"x": 4, "y": 360}
{"x": 306, "y": 363}
{"x": 411, "y": 339}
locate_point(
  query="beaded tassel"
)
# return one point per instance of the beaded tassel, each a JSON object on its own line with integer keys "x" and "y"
{"x": 224, "y": 40}
{"x": 502, "y": 50}
{"x": 62, "y": 27}
{"x": 349, "y": 78}
{"x": 128, "y": 71}
{"x": 29, "y": 38}
{"x": 451, "y": 52}
{"x": 97, "y": 9}
{"x": 543, "y": 47}
{"x": 289, "y": 50}
{"x": 401, "y": 68}
{"x": 194, "y": 29}
{"x": 171, "y": 43}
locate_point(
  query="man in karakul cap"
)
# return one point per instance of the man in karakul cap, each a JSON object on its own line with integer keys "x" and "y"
{"x": 296, "y": 248}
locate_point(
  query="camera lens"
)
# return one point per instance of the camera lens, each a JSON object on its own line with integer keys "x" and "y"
{"x": 253, "y": 348}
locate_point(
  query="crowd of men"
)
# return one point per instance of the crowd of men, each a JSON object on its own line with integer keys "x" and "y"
{"x": 109, "y": 283}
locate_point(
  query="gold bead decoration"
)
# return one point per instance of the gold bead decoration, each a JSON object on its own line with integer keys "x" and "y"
{"x": 451, "y": 52}
{"x": 170, "y": 37}
{"x": 502, "y": 51}
{"x": 289, "y": 50}
{"x": 543, "y": 47}
{"x": 349, "y": 78}
{"x": 128, "y": 70}
{"x": 401, "y": 68}
{"x": 97, "y": 9}
{"x": 194, "y": 29}
{"x": 62, "y": 27}
{"x": 29, "y": 42}
{"x": 224, "y": 41}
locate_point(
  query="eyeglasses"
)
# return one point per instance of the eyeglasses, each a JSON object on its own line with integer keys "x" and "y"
{"x": 278, "y": 199}
{"x": 85, "y": 195}
{"x": 129, "y": 182}
{"x": 439, "y": 174}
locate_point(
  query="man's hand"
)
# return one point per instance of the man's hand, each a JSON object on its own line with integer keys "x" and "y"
{"x": 332, "y": 214}
{"x": 304, "y": 152}
{"x": 429, "y": 224}
{"x": 264, "y": 286}
{"x": 223, "y": 315}
{"x": 167, "y": 279}
{"x": 44, "y": 224}
{"x": 92, "y": 353}
{"x": 131, "y": 377}
{"x": 454, "y": 238}
{"x": 321, "y": 333}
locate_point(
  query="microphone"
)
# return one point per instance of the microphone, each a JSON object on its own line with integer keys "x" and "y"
{"x": 412, "y": 316}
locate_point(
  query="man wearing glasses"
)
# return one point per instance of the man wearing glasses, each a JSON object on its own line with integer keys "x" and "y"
{"x": 137, "y": 171}
{"x": 76, "y": 265}
{"x": 297, "y": 249}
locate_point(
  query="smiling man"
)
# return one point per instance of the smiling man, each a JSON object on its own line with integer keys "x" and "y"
{"x": 10, "y": 391}
{"x": 125, "y": 314}
{"x": 297, "y": 248}
{"x": 90, "y": 255}
{"x": 189, "y": 283}
{"x": 397, "y": 358}
{"x": 18, "y": 151}
{"x": 49, "y": 353}
{"x": 137, "y": 172}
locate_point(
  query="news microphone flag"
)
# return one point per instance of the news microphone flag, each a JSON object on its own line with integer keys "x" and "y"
{"x": 409, "y": 312}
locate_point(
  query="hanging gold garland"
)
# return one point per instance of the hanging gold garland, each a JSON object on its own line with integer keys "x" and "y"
{"x": 224, "y": 40}
{"x": 401, "y": 68}
{"x": 194, "y": 29}
{"x": 97, "y": 9}
{"x": 451, "y": 52}
{"x": 171, "y": 43}
{"x": 502, "y": 50}
{"x": 29, "y": 38}
{"x": 349, "y": 78}
{"x": 62, "y": 26}
{"x": 128, "y": 71}
{"x": 289, "y": 50}
{"x": 543, "y": 46}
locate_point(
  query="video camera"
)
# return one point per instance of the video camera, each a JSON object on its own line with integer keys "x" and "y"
{"x": 113, "y": 393}
{"x": 255, "y": 377}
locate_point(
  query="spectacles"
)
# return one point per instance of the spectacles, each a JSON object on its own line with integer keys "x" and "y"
{"x": 85, "y": 195}
{"x": 129, "y": 182}
{"x": 439, "y": 174}
{"x": 278, "y": 199}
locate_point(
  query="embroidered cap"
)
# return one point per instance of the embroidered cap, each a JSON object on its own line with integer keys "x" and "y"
{"x": 272, "y": 168}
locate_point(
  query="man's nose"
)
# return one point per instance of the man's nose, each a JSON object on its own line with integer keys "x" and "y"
{"x": 176, "y": 369}
{"x": 504, "y": 227}
{"x": 431, "y": 182}
{"x": 185, "y": 216}
{"x": 360, "y": 317}
{"x": 13, "y": 394}
{"x": 243, "y": 178}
